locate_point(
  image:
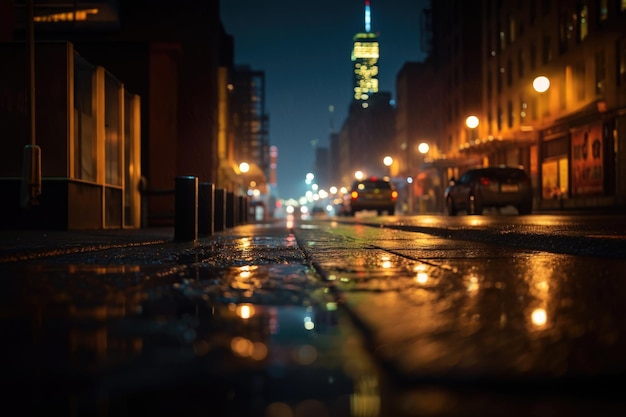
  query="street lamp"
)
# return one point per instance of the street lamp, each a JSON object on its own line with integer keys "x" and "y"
{"x": 359, "y": 175}
{"x": 423, "y": 148}
{"x": 244, "y": 167}
{"x": 388, "y": 161}
{"x": 541, "y": 84}
{"x": 472, "y": 123}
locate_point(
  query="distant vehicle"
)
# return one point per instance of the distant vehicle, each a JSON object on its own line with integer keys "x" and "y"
{"x": 318, "y": 211}
{"x": 495, "y": 187}
{"x": 371, "y": 194}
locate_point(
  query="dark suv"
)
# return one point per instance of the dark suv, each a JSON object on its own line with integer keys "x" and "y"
{"x": 371, "y": 194}
{"x": 490, "y": 187}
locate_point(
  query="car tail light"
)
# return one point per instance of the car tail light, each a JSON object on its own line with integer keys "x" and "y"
{"x": 484, "y": 181}
{"x": 354, "y": 195}
{"x": 394, "y": 194}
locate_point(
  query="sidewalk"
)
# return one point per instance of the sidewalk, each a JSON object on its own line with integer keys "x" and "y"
{"x": 19, "y": 245}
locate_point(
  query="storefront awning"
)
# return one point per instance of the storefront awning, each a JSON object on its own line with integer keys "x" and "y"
{"x": 493, "y": 144}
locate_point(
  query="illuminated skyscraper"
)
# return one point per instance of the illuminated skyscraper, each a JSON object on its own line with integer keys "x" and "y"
{"x": 365, "y": 58}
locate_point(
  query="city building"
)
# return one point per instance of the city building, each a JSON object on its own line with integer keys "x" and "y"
{"x": 570, "y": 133}
{"x": 365, "y": 54}
{"x": 537, "y": 84}
{"x": 368, "y": 134}
{"x": 177, "y": 63}
{"x": 250, "y": 142}
{"x": 72, "y": 157}
{"x": 418, "y": 124}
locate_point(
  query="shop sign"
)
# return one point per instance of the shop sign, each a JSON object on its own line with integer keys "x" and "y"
{"x": 587, "y": 166}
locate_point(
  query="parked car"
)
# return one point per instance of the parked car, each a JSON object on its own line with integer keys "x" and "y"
{"x": 371, "y": 194}
{"x": 490, "y": 187}
{"x": 318, "y": 212}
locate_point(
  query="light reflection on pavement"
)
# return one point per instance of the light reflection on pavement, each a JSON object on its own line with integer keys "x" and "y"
{"x": 240, "y": 325}
{"x": 261, "y": 321}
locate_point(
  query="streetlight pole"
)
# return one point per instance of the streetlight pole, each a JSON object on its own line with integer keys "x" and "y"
{"x": 472, "y": 123}
{"x": 31, "y": 160}
{"x": 388, "y": 161}
{"x": 541, "y": 84}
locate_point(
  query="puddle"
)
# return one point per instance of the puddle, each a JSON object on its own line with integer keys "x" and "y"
{"x": 196, "y": 339}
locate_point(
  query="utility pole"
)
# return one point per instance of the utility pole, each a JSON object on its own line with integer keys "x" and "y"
{"x": 31, "y": 162}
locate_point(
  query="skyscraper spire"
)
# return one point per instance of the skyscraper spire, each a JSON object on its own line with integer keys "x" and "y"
{"x": 365, "y": 58}
{"x": 368, "y": 17}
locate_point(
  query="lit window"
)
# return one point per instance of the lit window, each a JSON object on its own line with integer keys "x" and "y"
{"x": 604, "y": 10}
{"x": 583, "y": 23}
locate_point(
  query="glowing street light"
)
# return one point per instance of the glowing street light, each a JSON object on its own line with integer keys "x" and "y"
{"x": 244, "y": 167}
{"x": 423, "y": 148}
{"x": 388, "y": 161}
{"x": 472, "y": 122}
{"x": 359, "y": 175}
{"x": 541, "y": 84}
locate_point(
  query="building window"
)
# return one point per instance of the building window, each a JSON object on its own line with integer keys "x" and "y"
{"x": 600, "y": 73}
{"x": 579, "y": 81}
{"x": 112, "y": 117}
{"x": 622, "y": 7}
{"x": 520, "y": 63}
{"x": 511, "y": 30}
{"x": 603, "y": 10}
{"x": 499, "y": 119}
{"x": 85, "y": 149}
{"x": 533, "y": 57}
{"x": 582, "y": 22}
{"x": 564, "y": 31}
{"x": 621, "y": 60}
{"x": 509, "y": 72}
{"x": 545, "y": 103}
{"x": 563, "y": 91}
{"x": 534, "y": 108}
{"x": 546, "y": 53}
{"x": 511, "y": 115}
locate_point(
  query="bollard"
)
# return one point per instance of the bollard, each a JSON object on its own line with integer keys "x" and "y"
{"x": 242, "y": 209}
{"x": 186, "y": 208}
{"x": 230, "y": 209}
{"x": 235, "y": 210}
{"x": 206, "y": 208}
{"x": 219, "y": 214}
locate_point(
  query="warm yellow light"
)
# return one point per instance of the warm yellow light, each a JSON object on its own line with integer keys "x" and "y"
{"x": 359, "y": 175}
{"x": 245, "y": 311}
{"x": 539, "y": 317}
{"x": 541, "y": 84}
{"x": 471, "y": 122}
{"x": 387, "y": 160}
{"x": 78, "y": 15}
{"x": 244, "y": 167}
{"x": 423, "y": 148}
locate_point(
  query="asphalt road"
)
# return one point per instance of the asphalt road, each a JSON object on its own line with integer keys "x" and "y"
{"x": 373, "y": 316}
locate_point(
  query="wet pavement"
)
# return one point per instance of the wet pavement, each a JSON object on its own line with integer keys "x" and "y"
{"x": 127, "y": 323}
{"x": 312, "y": 319}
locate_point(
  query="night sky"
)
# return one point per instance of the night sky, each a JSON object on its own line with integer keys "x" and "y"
{"x": 304, "y": 49}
